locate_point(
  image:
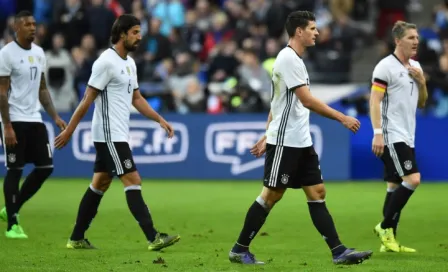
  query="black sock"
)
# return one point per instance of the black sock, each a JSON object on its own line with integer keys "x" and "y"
{"x": 32, "y": 184}
{"x": 398, "y": 200}
{"x": 386, "y": 204}
{"x": 11, "y": 192}
{"x": 140, "y": 211}
{"x": 323, "y": 222}
{"x": 255, "y": 218}
{"x": 87, "y": 211}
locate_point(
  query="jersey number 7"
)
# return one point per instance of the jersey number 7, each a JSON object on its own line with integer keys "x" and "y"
{"x": 412, "y": 88}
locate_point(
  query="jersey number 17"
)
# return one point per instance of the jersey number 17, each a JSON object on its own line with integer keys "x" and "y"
{"x": 33, "y": 72}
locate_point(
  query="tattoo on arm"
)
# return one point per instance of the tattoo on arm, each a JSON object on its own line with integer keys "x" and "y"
{"x": 45, "y": 98}
{"x": 4, "y": 105}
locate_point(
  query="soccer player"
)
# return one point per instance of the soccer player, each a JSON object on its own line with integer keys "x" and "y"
{"x": 398, "y": 88}
{"x": 291, "y": 161}
{"x": 114, "y": 89}
{"x": 24, "y": 136}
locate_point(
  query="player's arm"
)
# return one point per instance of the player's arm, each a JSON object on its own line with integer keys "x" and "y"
{"x": 378, "y": 90}
{"x": 5, "y": 81}
{"x": 376, "y": 97}
{"x": 269, "y": 120}
{"x": 140, "y": 103}
{"x": 422, "y": 95}
{"x": 98, "y": 81}
{"x": 296, "y": 81}
{"x": 45, "y": 98}
{"x": 47, "y": 103}
{"x": 89, "y": 96}
{"x": 4, "y": 105}
{"x": 314, "y": 104}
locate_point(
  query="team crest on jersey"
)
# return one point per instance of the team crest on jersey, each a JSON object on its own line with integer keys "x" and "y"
{"x": 128, "y": 70}
{"x": 31, "y": 59}
{"x": 12, "y": 158}
{"x": 408, "y": 165}
{"x": 128, "y": 164}
{"x": 285, "y": 178}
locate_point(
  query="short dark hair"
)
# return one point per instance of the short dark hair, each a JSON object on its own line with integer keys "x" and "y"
{"x": 298, "y": 19}
{"x": 122, "y": 25}
{"x": 22, "y": 14}
{"x": 400, "y": 27}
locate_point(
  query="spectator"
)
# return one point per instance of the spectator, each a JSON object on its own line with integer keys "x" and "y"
{"x": 60, "y": 75}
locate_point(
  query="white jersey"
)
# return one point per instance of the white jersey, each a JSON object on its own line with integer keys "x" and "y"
{"x": 399, "y": 105}
{"x": 116, "y": 78}
{"x": 290, "y": 125}
{"x": 25, "y": 68}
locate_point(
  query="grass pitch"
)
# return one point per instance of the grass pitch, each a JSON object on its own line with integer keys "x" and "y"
{"x": 209, "y": 216}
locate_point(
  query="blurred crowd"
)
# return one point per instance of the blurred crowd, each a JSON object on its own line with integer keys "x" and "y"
{"x": 210, "y": 56}
{"x": 432, "y": 55}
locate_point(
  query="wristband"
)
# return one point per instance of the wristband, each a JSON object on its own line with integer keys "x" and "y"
{"x": 377, "y": 131}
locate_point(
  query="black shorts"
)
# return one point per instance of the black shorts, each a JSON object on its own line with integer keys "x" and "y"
{"x": 291, "y": 167}
{"x": 114, "y": 158}
{"x": 399, "y": 160}
{"x": 32, "y": 146}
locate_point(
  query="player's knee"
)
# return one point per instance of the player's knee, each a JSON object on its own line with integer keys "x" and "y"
{"x": 43, "y": 172}
{"x": 315, "y": 192}
{"x": 14, "y": 173}
{"x": 272, "y": 195}
{"x": 413, "y": 180}
{"x": 131, "y": 179}
{"x": 100, "y": 186}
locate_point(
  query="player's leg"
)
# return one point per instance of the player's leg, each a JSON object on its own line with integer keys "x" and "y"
{"x": 405, "y": 165}
{"x": 256, "y": 217}
{"x": 15, "y": 161}
{"x": 277, "y": 161}
{"x": 88, "y": 209}
{"x": 129, "y": 176}
{"x": 91, "y": 200}
{"x": 312, "y": 183}
{"x": 38, "y": 151}
{"x": 391, "y": 187}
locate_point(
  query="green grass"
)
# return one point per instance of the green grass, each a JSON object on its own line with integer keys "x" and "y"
{"x": 209, "y": 215}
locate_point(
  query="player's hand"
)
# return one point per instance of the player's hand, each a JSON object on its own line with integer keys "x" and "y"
{"x": 60, "y": 123}
{"x": 417, "y": 74}
{"x": 259, "y": 148}
{"x": 378, "y": 145}
{"x": 351, "y": 123}
{"x": 10, "y": 136}
{"x": 167, "y": 127}
{"x": 62, "y": 139}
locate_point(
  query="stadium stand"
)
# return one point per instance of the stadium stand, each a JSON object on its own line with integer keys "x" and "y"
{"x": 215, "y": 56}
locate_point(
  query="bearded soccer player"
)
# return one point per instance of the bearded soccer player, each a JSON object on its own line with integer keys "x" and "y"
{"x": 114, "y": 88}
{"x": 24, "y": 135}
{"x": 398, "y": 88}
{"x": 291, "y": 161}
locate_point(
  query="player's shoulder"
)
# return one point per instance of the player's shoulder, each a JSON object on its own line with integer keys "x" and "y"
{"x": 105, "y": 58}
{"x": 9, "y": 47}
{"x": 287, "y": 57}
{"x": 385, "y": 64}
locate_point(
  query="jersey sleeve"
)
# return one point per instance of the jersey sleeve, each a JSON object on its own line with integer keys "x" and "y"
{"x": 380, "y": 78}
{"x": 44, "y": 62}
{"x": 136, "y": 87}
{"x": 100, "y": 76}
{"x": 5, "y": 64}
{"x": 294, "y": 73}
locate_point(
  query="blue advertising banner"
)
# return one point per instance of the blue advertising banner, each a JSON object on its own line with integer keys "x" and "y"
{"x": 204, "y": 147}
